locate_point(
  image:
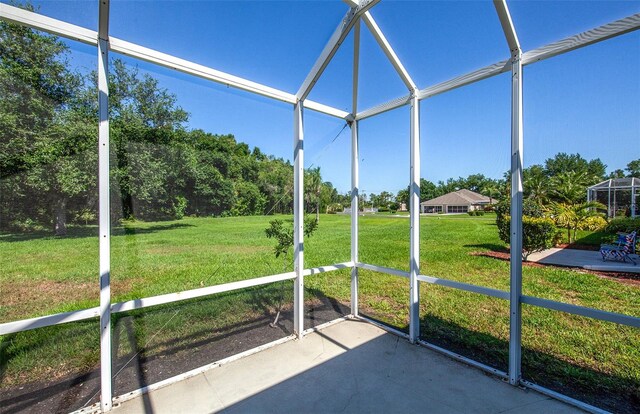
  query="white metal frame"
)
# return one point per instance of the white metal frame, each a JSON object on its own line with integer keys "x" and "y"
{"x": 594, "y": 189}
{"x": 106, "y": 395}
{"x": 355, "y": 168}
{"x": 358, "y": 10}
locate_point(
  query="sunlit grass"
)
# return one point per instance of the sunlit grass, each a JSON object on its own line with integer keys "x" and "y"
{"x": 48, "y": 275}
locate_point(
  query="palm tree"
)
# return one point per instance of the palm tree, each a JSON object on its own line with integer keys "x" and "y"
{"x": 537, "y": 189}
{"x": 570, "y": 186}
{"x": 313, "y": 181}
{"x": 574, "y": 216}
{"x": 491, "y": 189}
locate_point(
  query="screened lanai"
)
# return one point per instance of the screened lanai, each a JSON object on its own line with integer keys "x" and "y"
{"x": 151, "y": 150}
{"x": 620, "y": 195}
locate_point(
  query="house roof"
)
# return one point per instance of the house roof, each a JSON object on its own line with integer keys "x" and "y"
{"x": 462, "y": 197}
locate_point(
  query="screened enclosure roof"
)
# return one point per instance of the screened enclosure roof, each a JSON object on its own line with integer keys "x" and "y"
{"x": 617, "y": 183}
{"x": 280, "y": 51}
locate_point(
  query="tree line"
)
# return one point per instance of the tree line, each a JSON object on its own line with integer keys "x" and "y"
{"x": 159, "y": 169}
{"x": 564, "y": 178}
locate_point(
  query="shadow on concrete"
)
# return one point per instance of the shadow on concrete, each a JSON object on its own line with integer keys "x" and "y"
{"x": 146, "y": 351}
{"x": 146, "y": 362}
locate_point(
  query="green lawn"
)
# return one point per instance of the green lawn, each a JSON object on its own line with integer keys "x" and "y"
{"x": 596, "y": 361}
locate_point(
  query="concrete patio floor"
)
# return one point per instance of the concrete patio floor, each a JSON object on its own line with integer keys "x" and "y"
{"x": 585, "y": 259}
{"x": 351, "y": 367}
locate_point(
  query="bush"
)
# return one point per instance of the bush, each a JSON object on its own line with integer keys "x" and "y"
{"x": 538, "y": 233}
{"x": 529, "y": 208}
{"x": 179, "y": 207}
{"x": 471, "y": 213}
{"x": 594, "y": 223}
{"x": 623, "y": 225}
{"x": 383, "y": 209}
{"x": 334, "y": 208}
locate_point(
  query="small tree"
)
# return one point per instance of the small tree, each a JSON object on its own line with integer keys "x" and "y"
{"x": 575, "y": 216}
{"x": 538, "y": 232}
{"x": 284, "y": 236}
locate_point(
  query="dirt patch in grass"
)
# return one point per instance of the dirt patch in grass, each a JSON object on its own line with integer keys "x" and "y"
{"x": 632, "y": 279}
{"x": 29, "y": 297}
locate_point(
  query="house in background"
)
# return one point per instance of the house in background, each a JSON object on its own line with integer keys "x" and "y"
{"x": 460, "y": 201}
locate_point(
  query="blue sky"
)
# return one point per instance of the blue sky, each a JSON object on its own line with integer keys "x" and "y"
{"x": 586, "y": 101}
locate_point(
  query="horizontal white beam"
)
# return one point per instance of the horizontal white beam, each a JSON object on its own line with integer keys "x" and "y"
{"x": 385, "y": 107}
{"x": 465, "y": 286}
{"x": 388, "y": 51}
{"x": 74, "y": 316}
{"x": 326, "y": 324}
{"x": 330, "y": 268}
{"x": 73, "y": 32}
{"x": 332, "y": 46}
{"x": 607, "y": 31}
{"x": 469, "y": 78}
{"x": 328, "y": 110}
{"x": 464, "y": 359}
{"x": 561, "y": 397}
{"x": 197, "y": 293}
{"x": 582, "y": 311}
{"x": 604, "y": 32}
{"x": 383, "y": 326}
{"x": 185, "y": 66}
{"x": 47, "y": 24}
{"x": 382, "y": 269}
{"x": 49, "y": 320}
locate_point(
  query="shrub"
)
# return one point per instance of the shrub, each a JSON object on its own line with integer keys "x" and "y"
{"x": 383, "y": 209}
{"x": 624, "y": 225}
{"x": 334, "y": 208}
{"x": 471, "y": 213}
{"x": 179, "y": 207}
{"x": 479, "y": 212}
{"x": 594, "y": 223}
{"x": 538, "y": 233}
{"x": 529, "y": 208}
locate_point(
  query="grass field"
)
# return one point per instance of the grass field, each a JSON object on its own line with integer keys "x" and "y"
{"x": 594, "y": 361}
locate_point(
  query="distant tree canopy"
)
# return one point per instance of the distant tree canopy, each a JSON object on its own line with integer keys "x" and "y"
{"x": 159, "y": 168}
{"x": 475, "y": 182}
{"x": 562, "y": 179}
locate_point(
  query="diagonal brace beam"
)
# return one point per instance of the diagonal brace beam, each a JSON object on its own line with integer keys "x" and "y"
{"x": 388, "y": 50}
{"x": 332, "y": 46}
{"x": 507, "y": 25}
{"x": 386, "y": 47}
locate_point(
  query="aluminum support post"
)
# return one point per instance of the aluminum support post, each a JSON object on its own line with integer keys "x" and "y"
{"x": 355, "y": 168}
{"x": 515, "y": 322}
{"x": 633, "y": 200}
{"x": 104, "y": 230}
{"x": 354, "y": 216}
{"x": 298, "y": 219}
{"x": 414, "y": 265}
